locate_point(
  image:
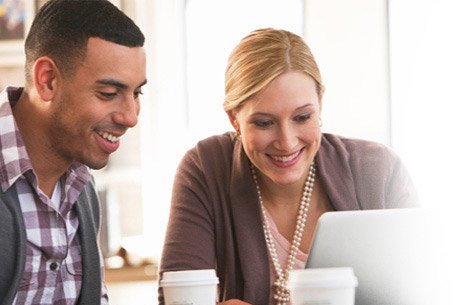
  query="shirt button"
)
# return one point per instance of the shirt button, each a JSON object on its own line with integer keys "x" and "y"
{"x": 53, "y": 266}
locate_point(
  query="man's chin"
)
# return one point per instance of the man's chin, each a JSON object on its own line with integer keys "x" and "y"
{"x": 99, "y": 164}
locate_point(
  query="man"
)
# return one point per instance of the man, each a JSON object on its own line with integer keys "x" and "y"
{"x": 85, "y": 67}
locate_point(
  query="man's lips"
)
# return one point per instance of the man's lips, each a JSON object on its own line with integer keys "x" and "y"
{"x": 108, "y": 142}
{"x": 108, "y": 136}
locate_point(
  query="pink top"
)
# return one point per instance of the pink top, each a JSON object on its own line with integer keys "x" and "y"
{"x": 283, "y": 249}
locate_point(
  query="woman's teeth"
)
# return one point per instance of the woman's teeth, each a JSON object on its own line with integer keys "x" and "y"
{"x": 108, "y": 136}
{"x": 285, "y": 158}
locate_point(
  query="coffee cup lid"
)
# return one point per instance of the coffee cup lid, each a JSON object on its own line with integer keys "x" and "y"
{"x": 189, "y": 278}
{"x": 323, "y": 277}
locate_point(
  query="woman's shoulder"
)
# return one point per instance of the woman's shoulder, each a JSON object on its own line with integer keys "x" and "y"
{"x": 358, "y": 155}
{"x": 214, "y": 146}
{"x": 353, "y": 148}
{"x": 212, "y": 150}
{"x": 220, "y": 141}
{"x": 369, "y": 172}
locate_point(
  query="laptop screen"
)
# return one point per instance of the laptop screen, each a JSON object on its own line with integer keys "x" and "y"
{"x": 400, "y": 256}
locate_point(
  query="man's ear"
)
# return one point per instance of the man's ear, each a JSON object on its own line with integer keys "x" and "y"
{"x": 233, "y": 121}
{"x": 45, "y": 77}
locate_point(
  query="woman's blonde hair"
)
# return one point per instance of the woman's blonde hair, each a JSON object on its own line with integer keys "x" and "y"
{"x": 260, "y": 57}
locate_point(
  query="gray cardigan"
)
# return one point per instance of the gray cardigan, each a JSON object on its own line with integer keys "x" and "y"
{"x": 13, "y": 245}
{"x": 215, "y": 219}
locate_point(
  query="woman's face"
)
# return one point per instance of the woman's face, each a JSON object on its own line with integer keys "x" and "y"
{"x": 280, "y": 129}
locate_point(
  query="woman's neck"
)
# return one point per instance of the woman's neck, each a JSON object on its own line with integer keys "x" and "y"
{"x": 280, "y": 196}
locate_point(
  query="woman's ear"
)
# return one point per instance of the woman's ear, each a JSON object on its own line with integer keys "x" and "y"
{"x": 45, "y": 73}
{"x": 233, "y": 121}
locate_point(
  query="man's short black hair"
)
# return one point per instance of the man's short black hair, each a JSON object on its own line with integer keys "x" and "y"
{"x": 61, "y": 29}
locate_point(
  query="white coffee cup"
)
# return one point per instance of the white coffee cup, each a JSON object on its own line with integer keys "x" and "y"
{"x": 190, "y": 287}
{"x": 323, "y": 286}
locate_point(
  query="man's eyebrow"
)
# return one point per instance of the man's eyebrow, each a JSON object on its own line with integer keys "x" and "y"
{"x": 116, "y": 83}
{"x": 112, "y": 82}
{"x": 143, "y": 83}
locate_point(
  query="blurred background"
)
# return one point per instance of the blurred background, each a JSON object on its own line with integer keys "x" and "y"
{"x": 388, "y": 67}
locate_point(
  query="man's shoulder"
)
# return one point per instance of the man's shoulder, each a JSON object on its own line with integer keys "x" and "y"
{"x": 89, "y": 195}
{"x": 11, "y": 94}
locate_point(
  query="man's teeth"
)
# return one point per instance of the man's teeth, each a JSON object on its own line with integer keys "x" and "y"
{"x": 108, "y": 136}
{"x": 285, "y": 158}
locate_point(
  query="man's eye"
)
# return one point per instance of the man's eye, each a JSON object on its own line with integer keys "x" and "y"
{"x": 263, "y": 123}
{"x": 108, "y": 95}
{"x": 137, "y": 94}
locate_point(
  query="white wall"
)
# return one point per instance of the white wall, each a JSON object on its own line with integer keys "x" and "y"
{"x": 163, "y": 117}
{"x": 349, "y": 40}
{"x": 423, "y": 60}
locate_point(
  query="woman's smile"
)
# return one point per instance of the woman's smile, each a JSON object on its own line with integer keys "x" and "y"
{"x": 279, "y": 128}
{"x": 285, "y": 160}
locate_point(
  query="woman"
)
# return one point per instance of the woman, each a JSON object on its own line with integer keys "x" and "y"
{"x": 246, "y": 203}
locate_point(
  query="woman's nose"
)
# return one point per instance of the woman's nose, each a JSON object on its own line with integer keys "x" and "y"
{"x": 287, "y": 138}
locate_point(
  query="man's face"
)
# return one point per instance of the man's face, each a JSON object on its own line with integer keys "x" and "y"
{"x": 97, "y": 104}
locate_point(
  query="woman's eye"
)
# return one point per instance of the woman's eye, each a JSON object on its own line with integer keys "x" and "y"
{"x": 302, "y": 117}
{"x": 263, "y": 123}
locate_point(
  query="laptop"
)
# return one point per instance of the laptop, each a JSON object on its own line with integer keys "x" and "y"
{"x": 399, "y": 256}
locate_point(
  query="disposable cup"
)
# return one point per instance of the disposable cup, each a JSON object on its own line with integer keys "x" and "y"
{"x": 323, "y": 286}
{"x": 190, "y": 287}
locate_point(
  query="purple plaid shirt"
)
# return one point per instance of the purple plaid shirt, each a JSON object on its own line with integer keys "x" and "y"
{"x": 53, "y": 268}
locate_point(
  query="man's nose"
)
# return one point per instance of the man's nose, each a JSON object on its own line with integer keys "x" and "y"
{"x": 127, "y": 114}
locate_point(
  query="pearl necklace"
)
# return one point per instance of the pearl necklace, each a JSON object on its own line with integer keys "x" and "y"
{"x": 281, "y": 292}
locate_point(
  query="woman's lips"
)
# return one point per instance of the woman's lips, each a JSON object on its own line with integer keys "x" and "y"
{"x": 285, "y": 160}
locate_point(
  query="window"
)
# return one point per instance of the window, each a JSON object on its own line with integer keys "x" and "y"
{"x": 213, "y": 29}
{"x": 423, "y": 96}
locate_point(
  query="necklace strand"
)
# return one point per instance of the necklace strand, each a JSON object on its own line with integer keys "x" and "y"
{"x": 281, "y": 292}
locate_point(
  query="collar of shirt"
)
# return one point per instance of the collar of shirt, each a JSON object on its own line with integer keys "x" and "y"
{"x": 14, "y": 160}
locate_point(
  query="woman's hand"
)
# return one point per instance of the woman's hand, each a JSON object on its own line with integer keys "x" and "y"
{"x": 233, "y": 302}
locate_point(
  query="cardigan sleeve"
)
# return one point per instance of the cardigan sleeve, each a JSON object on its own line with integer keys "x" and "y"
{"x": 189, "y": 242}
{"x": 214, "y": 222}
{"x": 190, "y": 229}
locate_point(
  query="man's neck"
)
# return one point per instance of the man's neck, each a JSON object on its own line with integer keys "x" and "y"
{"x": 47, "y": 167}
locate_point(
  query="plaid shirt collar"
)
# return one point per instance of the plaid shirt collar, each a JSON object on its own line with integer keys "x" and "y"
{"x": 14, "y": 160}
